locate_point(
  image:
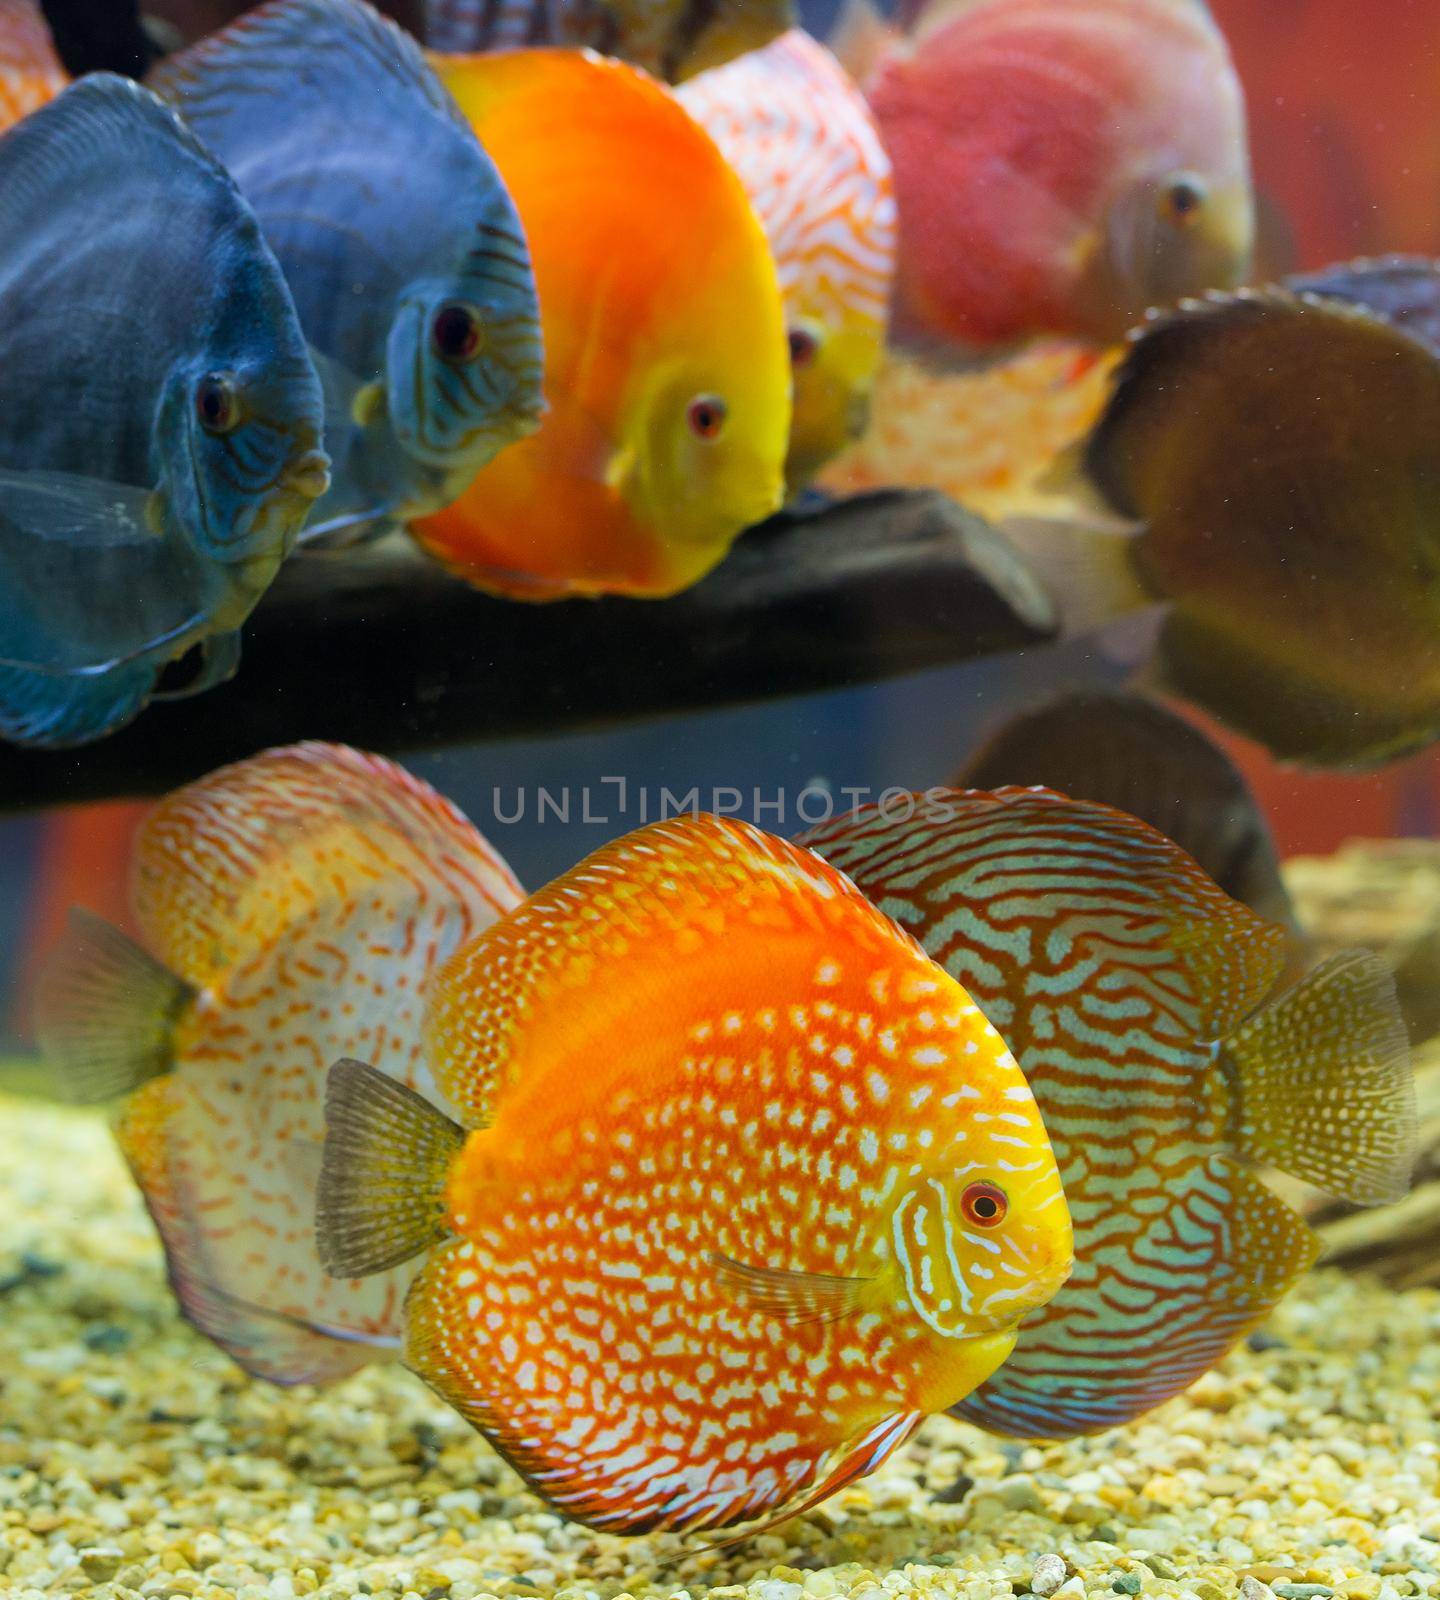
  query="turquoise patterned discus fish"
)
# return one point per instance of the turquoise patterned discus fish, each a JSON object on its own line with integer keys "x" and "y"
{"x": 1140, "y": 1002}
{"x": 401, "y": 245}
{"x": 160, "y": 419}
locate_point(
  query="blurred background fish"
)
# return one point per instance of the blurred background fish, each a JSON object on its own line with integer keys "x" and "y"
{"x": 806, "y": 148}
{"x": 160, "y": 420}
{"x": 1141, "y": 1003}
{"x": 406, "y": 259}
{"x": 667, "y": 376}
{"x": 289, "y": 911}
{"x": 30, "y": 70}
{"x": 670, "y": 39}
{"x": 1060, "y": 165}
{"x": 1281, "y": 535}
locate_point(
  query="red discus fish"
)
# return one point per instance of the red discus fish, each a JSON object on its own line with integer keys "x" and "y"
{"x": 293, "y": 906}
{"x": 746, "y": 1185}
{"x": 1139, "y": 999}
{"x": 1060, "y": 166}
{"x": 30, "y": 71}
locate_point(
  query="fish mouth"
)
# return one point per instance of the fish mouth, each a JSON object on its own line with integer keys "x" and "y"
{"x": 308, "y": 476}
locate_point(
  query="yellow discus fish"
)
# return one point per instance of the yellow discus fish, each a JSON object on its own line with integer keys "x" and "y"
{"x": 667, "y": 376}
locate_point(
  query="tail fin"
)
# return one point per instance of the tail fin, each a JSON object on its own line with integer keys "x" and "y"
{"x": 388, "y": 1154}
{"x": 1325, "y": 1086}
{"x": 1086, "y": 564}
{"x": 106, "y": 1012}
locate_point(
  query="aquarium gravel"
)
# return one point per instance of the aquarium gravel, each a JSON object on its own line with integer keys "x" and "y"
{"x": 135, "y": 1459}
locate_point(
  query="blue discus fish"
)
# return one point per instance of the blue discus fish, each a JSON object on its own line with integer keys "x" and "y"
{"x": 160, "y": 419}
{"x": 402, "y": 248}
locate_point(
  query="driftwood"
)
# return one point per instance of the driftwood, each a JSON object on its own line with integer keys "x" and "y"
{"x": 381, "y": 648}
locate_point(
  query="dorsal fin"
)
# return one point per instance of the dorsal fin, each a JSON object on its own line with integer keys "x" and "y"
{"x": 329, "y": 44}
{"x": 619, "y": 924}
{"x": 1076, "y": 854}
{"x": 225, "y": 864}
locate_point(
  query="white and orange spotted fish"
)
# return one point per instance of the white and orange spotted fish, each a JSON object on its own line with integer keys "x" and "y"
{"x": 30, "y": 71}
{"x": 1141, "y": 1003}
{"x": 743, "y": 1187}
{"x": 807, "y": 149}
{"x": 293, "y": 906}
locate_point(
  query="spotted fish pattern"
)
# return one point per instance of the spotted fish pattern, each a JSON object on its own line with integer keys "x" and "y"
{"x": 301, "y": 898}
{"x": 30, "y": 71}
{"x": 726, "y": 1227}
{"x": 1123, "y": 979}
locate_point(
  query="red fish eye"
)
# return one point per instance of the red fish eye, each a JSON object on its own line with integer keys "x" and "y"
{"x": 1182, "y": 199}
{"x": 706, "y": 416}
{"x": 803, "y": 347}
{"x": 456, "y": 332}
{"x": 984, "y": 1205}
{"x": 216, "y": 404}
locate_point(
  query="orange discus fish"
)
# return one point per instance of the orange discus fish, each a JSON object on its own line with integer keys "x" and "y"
{"x": 293, "y": 906}
{"x": 1143, "y": 1005}
{"x": 746, "y": 1185}
{"x": 30, "y": 71}
{"x": 800, "y": 135}
{"x": 667, "y": 377}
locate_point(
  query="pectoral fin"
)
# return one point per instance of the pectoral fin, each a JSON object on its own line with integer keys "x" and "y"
{"x": 791, "y": 1296}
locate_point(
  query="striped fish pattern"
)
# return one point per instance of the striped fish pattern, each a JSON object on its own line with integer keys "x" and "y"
{"x": 670, "y": 39}
{"x": 292, "y": 907}
{"x": 1123, "y": 979}
{"x": 30, "y": 71}
{"x": 805, "y": 145}
{"x": 749, "y": 1185}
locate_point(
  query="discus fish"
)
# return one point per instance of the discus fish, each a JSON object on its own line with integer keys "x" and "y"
{"x": 990, "y": 437}
{"x": 670, "y": 39}
{"x": 160, "y": 420}
{"x": 806, "y": 148}
{"x": 30, "y": 70}
{"x": 745, "y": 1188}
{"x": 1128, "y": 751}
{"x": 1141, "y": 1004}
{"x": 1060, "y": 165}
{"x": 1286, "y": 533}
{"x": 666, "y": 371}
{"x": 402, "y": 248}
{"x": 292, "y": 908}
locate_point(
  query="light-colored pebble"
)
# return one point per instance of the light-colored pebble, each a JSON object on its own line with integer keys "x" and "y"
{"x": 1312, "y": 1465}
{"x": 1047, "y": 1574}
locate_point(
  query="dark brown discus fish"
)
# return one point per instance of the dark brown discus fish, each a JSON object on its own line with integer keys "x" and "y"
{"x": 670, "y": 39}
{"x": 1142, "y": 1005}
{"x": 1405, "y": 290}
{"x": 1269, "y": 463}
{"x": 1129, "y": 751}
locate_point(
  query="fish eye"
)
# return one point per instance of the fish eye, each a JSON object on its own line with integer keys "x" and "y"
{"x": 217, "y": 404}
{"x": 984, "y": 1205}
{"x": 457, "y": 332}
{"x": 804, "y": 347}
{"x": 706, "y": 416}
{"x": 1181, "y": 199}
